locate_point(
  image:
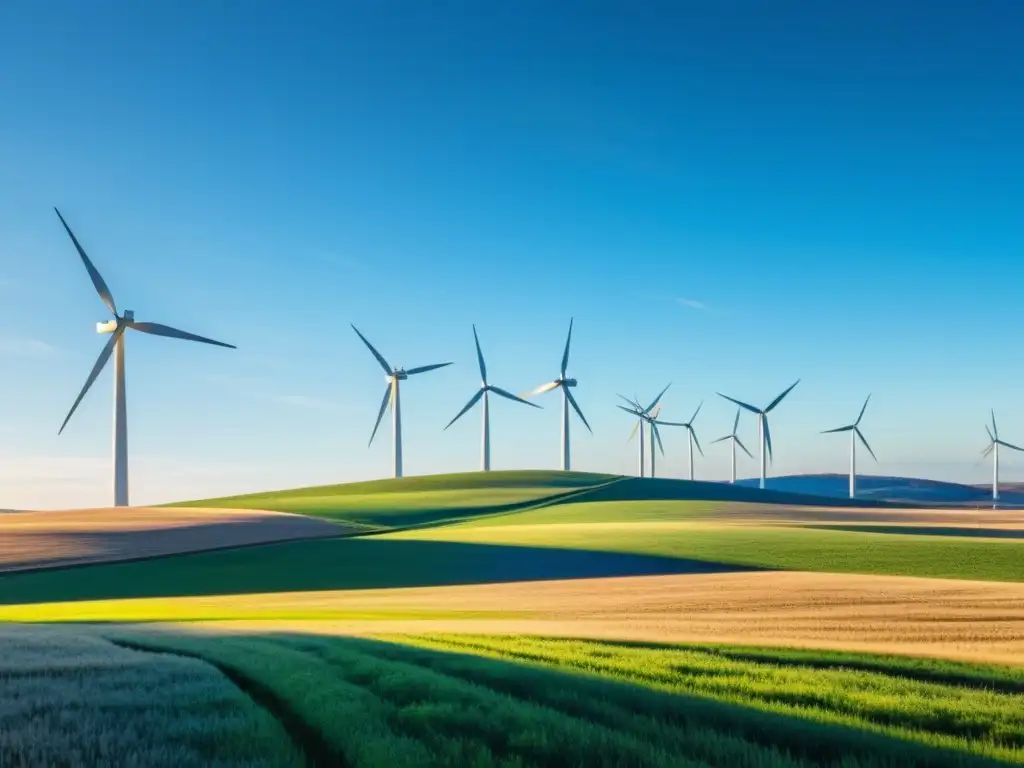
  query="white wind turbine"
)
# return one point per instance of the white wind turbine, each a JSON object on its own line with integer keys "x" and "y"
{"x": 764, "y": 435}
{"x": 567, "y": 400}
{"x": 993, "y": 448}
{"x": 734, "y": 440}
{"x": 392, "y": 396}
{"x": 116, "y": 328}
{"x": 645, "y": 416}
{"x": 484, "y": 392}
{"x": 854, "y": 430}
{"x": 691, "y": 434}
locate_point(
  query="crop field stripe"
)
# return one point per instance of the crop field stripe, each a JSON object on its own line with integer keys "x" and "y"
{"x": 307, "y": 740}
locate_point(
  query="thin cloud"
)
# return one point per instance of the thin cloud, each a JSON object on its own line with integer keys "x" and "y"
{"x": 303, "y": 401}
{"x": 692, "y": 303}
{"x": 32, "y": 348}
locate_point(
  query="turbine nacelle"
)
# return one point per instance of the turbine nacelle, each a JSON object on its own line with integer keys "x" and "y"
{"x": 400, "y": 375}
{"x": 567, "y": 382}
{"x": 109, "y": 326}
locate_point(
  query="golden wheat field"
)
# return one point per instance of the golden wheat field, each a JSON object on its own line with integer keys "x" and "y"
{"x": 73, "y": 537}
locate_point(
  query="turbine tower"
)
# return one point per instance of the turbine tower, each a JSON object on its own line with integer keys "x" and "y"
{"x": 645, "y": 416}
{"x": 764, "y": 435}
{"x": 691, "y": 434}
{"x": 734, "y": 440}
{"x": 567, "y": 400}
{"x": 854, "y": 430}
{"x": 392, "y": 397}
{"x": 116, "y": 329}
{"x": 483, "y": 392}
{"x": 993, "y": 448}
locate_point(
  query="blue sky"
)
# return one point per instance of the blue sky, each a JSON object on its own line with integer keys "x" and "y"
{"x": 727, "y": 196}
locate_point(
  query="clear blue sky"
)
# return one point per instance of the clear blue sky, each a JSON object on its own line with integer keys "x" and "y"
{"x": 725, "y": 195}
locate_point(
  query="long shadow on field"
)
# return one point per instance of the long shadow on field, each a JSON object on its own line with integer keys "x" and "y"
{"x": 925, "y": 530}
{"x": 329, "y": 564}
{"x": 371, "y": 701}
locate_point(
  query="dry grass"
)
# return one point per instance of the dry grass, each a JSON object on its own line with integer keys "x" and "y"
{"x": 956, "y": 619}
{"x": 73, "y": 537}
{"x": 68, "y": 699}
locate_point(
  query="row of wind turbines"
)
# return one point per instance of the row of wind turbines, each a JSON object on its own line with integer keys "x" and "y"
{"x": 647, "y": 417}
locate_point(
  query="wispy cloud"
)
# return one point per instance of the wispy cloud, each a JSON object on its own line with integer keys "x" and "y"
{"x": 302, "y": 401}
{"x": 33, "y": 348}
{"x": 692, "y": 303}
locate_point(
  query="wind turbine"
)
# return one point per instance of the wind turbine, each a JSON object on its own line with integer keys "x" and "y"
{"x": 691, "y": 434}
{"x": 392, "y": 396}
{"x": 116, "y": 329}
{"x": 764, "y": 435}
{"x": 567, "y": 400}
{"x": 735, "y": 440}
{"x": 645, "y": 415}
{"x": 483, "y": 392}
{"x": 993, "y": 448}
{"x": 854, "y": 430}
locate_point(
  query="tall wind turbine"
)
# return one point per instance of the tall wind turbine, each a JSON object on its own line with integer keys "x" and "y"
{"x": 764, "y": 435}
{"x": 645, "y": 416}
{"x": 993, "y": 448}
{"x": 483, "y": 392}
{"x": 691, "y": 434}
{"x": 734, "y": 440}
{"x": 854, "y": 430}
{"x": 392, "y": 397}
{"x": 115, "y": 346}
{"x": 567, "y": 400}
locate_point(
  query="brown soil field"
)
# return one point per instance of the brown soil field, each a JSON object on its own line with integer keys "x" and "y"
{"x": 74, "y": 537}
{"x": 971, "y": 620}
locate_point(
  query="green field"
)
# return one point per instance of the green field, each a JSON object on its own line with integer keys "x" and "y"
{"x": 531, "y": 701}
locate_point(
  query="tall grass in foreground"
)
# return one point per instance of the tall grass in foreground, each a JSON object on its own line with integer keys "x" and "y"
{"x": 73, "y": 700}
{"x": 500, "y": 702}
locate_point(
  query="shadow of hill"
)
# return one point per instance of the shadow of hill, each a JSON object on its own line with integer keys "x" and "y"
{"x": 333, "y": 564}
{"x": 925, "y": 530}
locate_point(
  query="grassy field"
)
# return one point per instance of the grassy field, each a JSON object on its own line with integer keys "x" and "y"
{"x": 407, "y": 501}
{"x": 70, "y": 699}
{"x": 537, "y": 702}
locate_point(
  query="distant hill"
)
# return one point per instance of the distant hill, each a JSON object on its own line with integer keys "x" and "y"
{"x": 885, "y": 488}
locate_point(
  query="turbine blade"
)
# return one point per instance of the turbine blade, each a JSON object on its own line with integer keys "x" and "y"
{"x": 1010, "y": 445}
{"x": 654, "y": 414}
{"x": 741, "y": 445}
{"x": 657, "y": 435}
{"x": 628, "y": 410}
{"x": 673, "y": 424}
{"x": 736, "y": 422}
{"x": 480, "y": 357}
{"x": 376, "y": 354}
{"x": 156, "y": 329}
{"x": 988, "y": 451}
{"x": 838, "y": 429}
{"x": 768, "y": 439}
{"x": 94, "y": 274}
{"x": 750, "y": 408}
{"x": 565, "y": 355}
{"x": 467, "y": 406}
{"x": 101, "y": 361}
{"x": 633, "y": 402}
{"x": 509, "y": 396}
{"x": 863, "y": 440}
{"x": 542, "y": 389}
{"x": 633, "y": 433}
{"x": 389, "y": 395}
{"x": 778, "y": 399}
{"x": 694, "y": 417}
{"x": 862, "y": 409}
{"x": 658, "y": 398}
{"x": 576, "y": 407}
{"x": 727, "y": 437}
{"x": 995, "y": 429}
{"x": 425, "y": 368}
{"x": 695, "y": 440}
{"x": 991, "y": 437}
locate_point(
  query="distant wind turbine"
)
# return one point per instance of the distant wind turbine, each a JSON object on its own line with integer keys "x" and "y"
{"x": 483, "y": 392}
{"x": 644, "y": 416}
{"x": 854, "y": 430}
{"x": 993, "y": 448}
{"x": 567, "y": 400}
{"x": 734, "y": 440}
{"x": 691, "y": 434}
{"x": 764, "y": 436}
{"x": 116, "y": 328}
{"x": 392, "y": 397}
